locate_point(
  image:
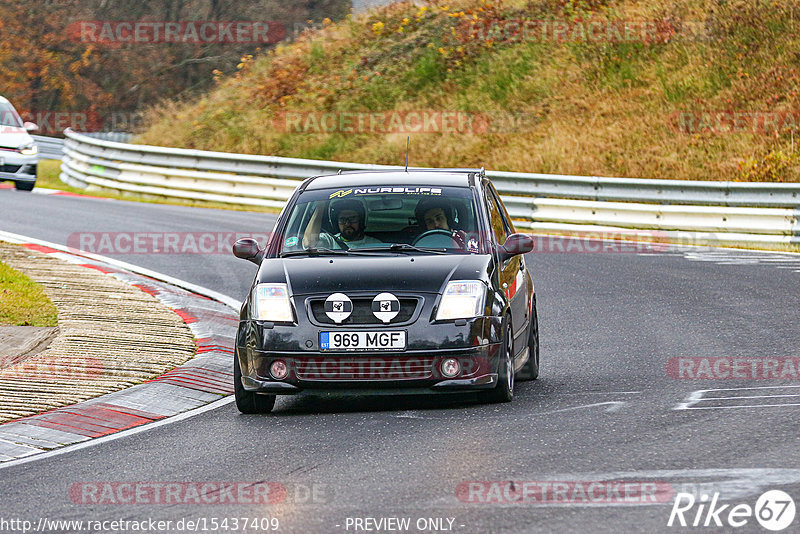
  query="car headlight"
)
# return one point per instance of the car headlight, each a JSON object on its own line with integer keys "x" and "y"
{"x": 272, "y": 303}
{"x": 28, "y": 150}
{"x": 462, "y": 299}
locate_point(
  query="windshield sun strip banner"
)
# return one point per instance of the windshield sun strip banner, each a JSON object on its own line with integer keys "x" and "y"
{"x": 387, "y": 190}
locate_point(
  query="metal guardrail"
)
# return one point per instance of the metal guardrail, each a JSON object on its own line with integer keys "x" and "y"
{"x": 119, "y": 137}
{"x": 53, "y": 147}
{"x": 732, "y": 211}
{"x": 685, "y": 192}
{"x": 49, "y": 147}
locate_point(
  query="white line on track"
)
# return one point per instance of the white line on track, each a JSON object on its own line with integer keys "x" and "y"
{"x": 741, "y": 406}
{"x": 613, "y": 406}
{"x": 696, "y": 397}
{"x": 123, "y": 434}
{"x": 750, "y": 397}
{"x": 583, "y": 394}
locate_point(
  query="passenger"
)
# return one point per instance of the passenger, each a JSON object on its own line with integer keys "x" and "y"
{"x": 349, "y": 215}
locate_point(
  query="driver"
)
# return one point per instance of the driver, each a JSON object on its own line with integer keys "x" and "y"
{"x": 349, "y": 215}
{"x": 438, "y": 214}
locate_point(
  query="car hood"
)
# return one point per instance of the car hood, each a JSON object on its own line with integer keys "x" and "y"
{"x": 401, "y": 273}
{"x": 11, "y": 137}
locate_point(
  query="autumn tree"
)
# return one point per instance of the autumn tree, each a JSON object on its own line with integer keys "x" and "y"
{"x": 46, "y": 63}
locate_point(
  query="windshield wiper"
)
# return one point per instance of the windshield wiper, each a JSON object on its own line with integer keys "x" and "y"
{"x": 404, "y": 247}
{"x": 315, "y": 251}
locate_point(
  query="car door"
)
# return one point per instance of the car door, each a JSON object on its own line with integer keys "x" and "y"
{"x": 511, "y": 271}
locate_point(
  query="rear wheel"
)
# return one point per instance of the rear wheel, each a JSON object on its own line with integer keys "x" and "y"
{"x": 247, "y": 401}
{"x": 24, "y": 186}
{"x": 530, "y": 371}
{"x": 504, "y": 391}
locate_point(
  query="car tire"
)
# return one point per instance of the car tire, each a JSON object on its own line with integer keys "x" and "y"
{"x": 504, "y": 390}
{"x": 247, "y": 401}
{"x": 530, "y": 371}
{"x": 24, "y": 186}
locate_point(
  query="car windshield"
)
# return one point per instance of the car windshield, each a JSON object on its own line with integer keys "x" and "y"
{"x": 9, "y": 116}
{"x": 390, "y": 219}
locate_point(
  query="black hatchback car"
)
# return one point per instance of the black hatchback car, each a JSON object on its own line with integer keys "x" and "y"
{"x": 388, "y": 282}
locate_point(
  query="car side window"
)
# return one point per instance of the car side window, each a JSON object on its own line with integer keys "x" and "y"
{"x": 499, "y": 228}
{"x": 503, "y": 212}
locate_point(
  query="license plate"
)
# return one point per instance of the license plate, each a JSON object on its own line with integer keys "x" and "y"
{"x": 385, "y": 340}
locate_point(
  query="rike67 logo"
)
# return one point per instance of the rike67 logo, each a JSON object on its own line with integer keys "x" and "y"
{"x": 774, "y": 510}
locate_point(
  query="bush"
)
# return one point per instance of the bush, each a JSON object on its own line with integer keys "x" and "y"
{"x": 774, "y": 166}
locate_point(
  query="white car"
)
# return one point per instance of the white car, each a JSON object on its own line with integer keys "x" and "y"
{"x": 18, "y": 150}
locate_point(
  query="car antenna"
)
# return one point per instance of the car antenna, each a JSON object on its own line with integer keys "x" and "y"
{"x": 408, "y": 139}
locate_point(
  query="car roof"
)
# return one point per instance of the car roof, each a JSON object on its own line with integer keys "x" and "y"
{"x": 438, "y": 177}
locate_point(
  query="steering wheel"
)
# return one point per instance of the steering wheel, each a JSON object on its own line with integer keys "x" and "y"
{"x": 338, "y": 240}
{"x": 436, "y": 236}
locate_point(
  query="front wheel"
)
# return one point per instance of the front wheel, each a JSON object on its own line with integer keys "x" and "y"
{"x": 24, "y": 186}
{"x": 247, "y": 401}
{"x": 504, "y": 391}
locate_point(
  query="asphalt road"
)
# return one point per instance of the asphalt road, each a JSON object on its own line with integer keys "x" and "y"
{"x": 604, "y": 409}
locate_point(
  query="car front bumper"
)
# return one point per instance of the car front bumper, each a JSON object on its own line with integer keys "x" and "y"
{"x": 418, "y": 370}
{"x": 482, "y": 374}
{"x": 17, "y": 167}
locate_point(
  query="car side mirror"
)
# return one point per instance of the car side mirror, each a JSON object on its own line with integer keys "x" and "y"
{"x": 246, "y": 248}
{"x": 30, "y": 126}
{"x": 515, "y": 244}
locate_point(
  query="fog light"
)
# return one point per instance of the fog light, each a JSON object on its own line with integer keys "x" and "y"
{"x": 450, "y": 367}
{"x": 278, "y": 370}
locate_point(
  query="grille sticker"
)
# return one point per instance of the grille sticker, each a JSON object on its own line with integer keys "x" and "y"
{"x": 338, "y": 307}
{"x": 385, "y": 306}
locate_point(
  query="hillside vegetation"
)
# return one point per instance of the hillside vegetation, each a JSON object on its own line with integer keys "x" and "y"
{"x": 692, "y": 89}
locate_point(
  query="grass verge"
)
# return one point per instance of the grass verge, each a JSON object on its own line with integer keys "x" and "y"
{"x": 23, "y": 302}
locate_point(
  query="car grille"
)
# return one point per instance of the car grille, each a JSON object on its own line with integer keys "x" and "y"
{"x": 9, "y": 168}
{"x": 362, "y": 312}
{"x": 368, "y": 368}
